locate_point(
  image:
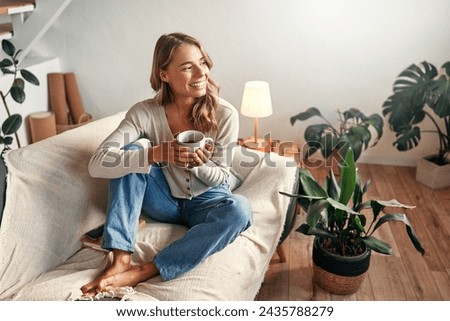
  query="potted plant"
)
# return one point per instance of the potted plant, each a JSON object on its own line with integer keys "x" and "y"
{"x": 421, "y": 92}
{"x": 343, "y": 224}
{"x": 10, "y": 66}
{"x": 354, "y": 130}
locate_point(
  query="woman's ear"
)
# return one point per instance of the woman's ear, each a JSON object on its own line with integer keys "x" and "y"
{"x": 163, "y": 76}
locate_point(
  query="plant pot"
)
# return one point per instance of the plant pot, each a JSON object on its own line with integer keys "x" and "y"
{"x": 339, "y": 274}
{"x": 431, "y": 174}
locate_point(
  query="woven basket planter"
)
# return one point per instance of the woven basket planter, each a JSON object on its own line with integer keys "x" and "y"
{"x": 338, "y": 274}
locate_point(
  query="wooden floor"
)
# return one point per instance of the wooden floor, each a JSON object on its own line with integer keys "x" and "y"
{"x": 406, "y": 275}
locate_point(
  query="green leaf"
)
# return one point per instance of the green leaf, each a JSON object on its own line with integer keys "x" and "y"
{"x": 313, "y": 135}
{"x": 328, "y": 142}
{"x": 358, "y": 139}
{"x": 446, "y": 67}
{"x": 28, "y": 76}
{"x": 377, "y": 245}
{"x": 341, "y": 206}
{"x": 332, "y": 186}
{"x": 7, "y": 140}
{"x": 357, "y": 195}
{"x": 5, "y": 63}
{"x": 376, "y": 209}
{"x": 353, "y": 113}
{"x": 358, "y": 224}
{"x": 308, "y": 189}
{"x": 314, "y": 214}
{"x": 8, "y": 47}
{"x": 394, "y": 203}
{"x": 12, "y": 124}
{"x": 376, "y": 121}
{"x": 311, "y": 187}
{"x": 18, "y": 82}
{"x": 310, "y": 112}
{"x": 348, "y": 178}
{"x": 308, "y": 230}
{"x": 7, "y": 71}
{"x": 440, "y": 96}
{"x": 402, "y": 111}
{"x": 402, "y": 218}
{"x": 407, "y": 138}
{"x": 18, "y": 94}
{"x": 302, "y": 196}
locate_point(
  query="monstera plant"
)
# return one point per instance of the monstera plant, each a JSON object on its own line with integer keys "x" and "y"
{"x": 10, "y": 66}
{"x": 421, "y": 92}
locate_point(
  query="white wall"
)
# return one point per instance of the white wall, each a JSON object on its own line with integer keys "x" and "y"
{"x": 325, "y": 53}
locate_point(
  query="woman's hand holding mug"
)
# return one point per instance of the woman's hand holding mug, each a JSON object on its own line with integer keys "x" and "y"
{"x": 193, "y": 148}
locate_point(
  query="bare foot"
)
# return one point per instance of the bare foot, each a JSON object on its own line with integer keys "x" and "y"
{"x": 121, "y": 263}
{"x": 141, "y": 224}
{"x": 131, "y": 277}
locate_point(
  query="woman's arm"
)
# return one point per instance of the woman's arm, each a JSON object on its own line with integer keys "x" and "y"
{"x": 216, "y": 170}
{"x": 110, "y": 160}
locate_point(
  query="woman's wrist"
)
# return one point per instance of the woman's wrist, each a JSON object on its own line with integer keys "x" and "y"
{"x": 155, "y": 155}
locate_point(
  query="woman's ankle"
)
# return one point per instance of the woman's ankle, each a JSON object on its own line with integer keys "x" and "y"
{"x": 122, "y": 258}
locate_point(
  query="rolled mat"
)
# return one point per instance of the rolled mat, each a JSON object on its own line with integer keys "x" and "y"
{"x": 42, "y": 125}
{"x": 74, "y": 100}
{"x": 57, "y": 97}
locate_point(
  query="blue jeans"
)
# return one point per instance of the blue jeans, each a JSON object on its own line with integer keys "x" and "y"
{"x": 214, "y": 218}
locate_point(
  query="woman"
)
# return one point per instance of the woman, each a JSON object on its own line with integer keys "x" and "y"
{"x": 164, "y": 180}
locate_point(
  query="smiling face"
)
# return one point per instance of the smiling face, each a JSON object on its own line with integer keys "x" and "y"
{"x": 187, "y": 73}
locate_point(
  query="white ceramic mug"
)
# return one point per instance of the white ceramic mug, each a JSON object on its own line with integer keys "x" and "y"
{"x": 193, "y": 139}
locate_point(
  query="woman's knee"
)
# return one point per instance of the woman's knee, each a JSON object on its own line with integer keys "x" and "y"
{"x": 241, "y": 211}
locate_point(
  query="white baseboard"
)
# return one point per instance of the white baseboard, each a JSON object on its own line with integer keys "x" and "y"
{"x": 391, "y": 160}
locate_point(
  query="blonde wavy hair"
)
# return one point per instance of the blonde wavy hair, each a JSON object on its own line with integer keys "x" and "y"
{"x": 203, "y": 113}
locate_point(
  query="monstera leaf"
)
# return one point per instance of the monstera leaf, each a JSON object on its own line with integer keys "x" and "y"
{"x": 411, "y": 89}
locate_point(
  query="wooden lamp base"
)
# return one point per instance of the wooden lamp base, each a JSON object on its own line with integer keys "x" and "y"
{"x": 260, "y": 144}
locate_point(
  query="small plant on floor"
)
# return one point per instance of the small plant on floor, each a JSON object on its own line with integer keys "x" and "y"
{"x": 10, "y": 66}
{"x": 354, "y": 130}
{"x": 335, "y": 212}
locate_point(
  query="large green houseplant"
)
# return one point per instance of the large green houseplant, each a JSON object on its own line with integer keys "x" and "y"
{"x": 422, "y": 92}
{"x": 354, "y": 129}
{"x": 343, "y": 224}
{"x": 10, "y": 66}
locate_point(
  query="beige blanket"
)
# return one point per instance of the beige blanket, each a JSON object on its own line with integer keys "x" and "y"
{"x": 52, "y": 201}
